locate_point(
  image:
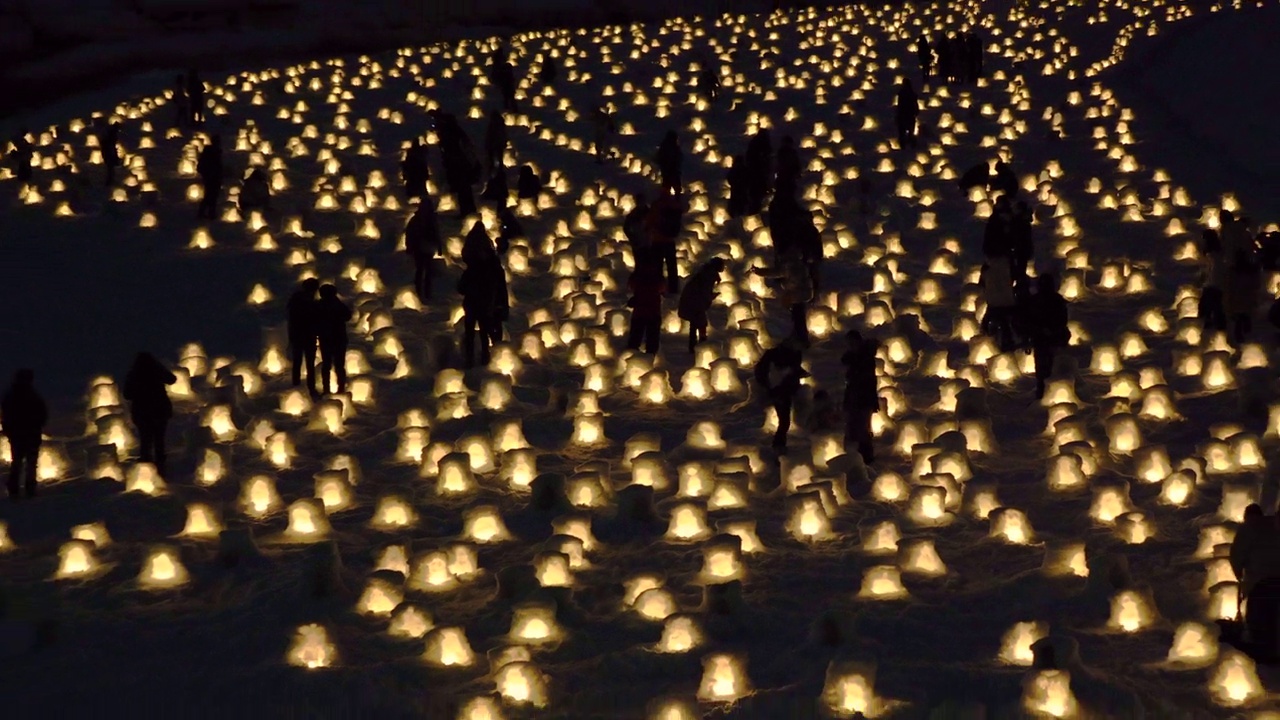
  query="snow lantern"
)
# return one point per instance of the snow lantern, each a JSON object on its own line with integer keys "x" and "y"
{"x": 6, "y": 543}
{"x": 76, "y": 560}
{"x": 1123, "y": 434}
{"x": 431, "y": 573}
{"x": 882, "y": 582}
{"x": 881, "y": 539}
{"x": 724, "y": 678}
{"x": 1066, "y": 472}
{"x": 380, "y": 597}
{"x": 920, "y": 557}
{"x": 259, "y": 498}
{"x": 1106, "y": 360}
{"x": 144, "y": 478}
{"x": 655, "y": 388}
{"x": 553, "y": 570}
{"x": 588, "y": 429}
{"x": 650, "y": 469}
{"x": 724, "y": 376}
{"x": 1216, "y": 373}
{"x": 1194, "y": 644}
{"x": 211, "y": 468}
{"x": 655, "y": 604}
{"x": 680, "y": 633}
{"x": 535, "y": 624}
{"x": 327, "y": 417}
{"x": 307, "y": 520}
{"x": 1134, "y": 528}
{"x": 1047, "y": 693}
{"x": 1130, "y": 612}
{"x": 1247, "y": 452}
{"x": 409, "y": 621}
{"x": 1153, "y": 464}
{"x": 448, "y": 647}
{"x": 1177, "y": 488}
{"x": 519, "y": 467}
{"x": 889, "y": 487}
{"x": 495, "y": 393}
{"x": 1235, "y": 680}
{"x": 163, "y": 569}
{"x": 394, "y": 559}
{"x": 1224, "y": 601}
{"x": 928, "y": 505}
{"x": 849, "y": 690}
{"x": 1015, "y": 649}
{"x": 455, "y": 477}
{"x": 484, "y": 524}
{"x": 1235, "y": 498}
{"x": 577, "y": 526}
{"x": 413, "y": 441}
{"x": 1110, "y": 503}
{"x": 279, "y": 450}
{"x": 218, "y": 420}
{"x": 1066, "y": 560}
{"x": 521, "y": 683}
{"x": 333, "y": 490}
{"x": 705, "y": 435}
{"x": 311, "y": 648}
{"x": 393, "y": 512}
{"x": 688, "y": 523}
{"x": 295, "y": 402}
{"x": 1011, "y": 525}
{"x": 674, "y": 709}
{"x": 807, "y": 518}
{"x": 722, "y": 559}
{"x": 202, "y": 522}
{"x": 479, "y": 451}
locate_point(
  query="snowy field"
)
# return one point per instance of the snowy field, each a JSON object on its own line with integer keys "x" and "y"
{"x": 425, "y": 583}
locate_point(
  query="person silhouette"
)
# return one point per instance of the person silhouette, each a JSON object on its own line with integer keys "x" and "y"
{"x": 422, "y": 243}
{"x": 302, "y": 333}
{"x": 414, "y": 170}
{"x": 195, "y": 94}
{"x": 149, "y": 406}
{"x": 332, "y": 316}
{"x": 696, "y": 299}
{"x": 23, "y": 415}
{"x": 22, "y": 155}
{"x": 108, "y": 142}
{"x": 906, "y": 111}
{"x": 209, "y": 167}
{"x": 670, "y": 159}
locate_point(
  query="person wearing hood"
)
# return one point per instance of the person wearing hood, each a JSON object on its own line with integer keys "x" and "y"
{"x": 528, "y": 185}
{"x": 670, "y": 159}
{"x": 779, "y": 372}
{"x": 1215, "y": 275}
{"x": 647, "y": 288}
{"x": 496, "y": 190}
{"x": 1003, "y": 180}
{"x": 461, "y": 168}
{"x": 414, "y": 170}
{"x": 255, "y": 192}
{"x": 495, "y": 141}
{"x": 906, "y": 110}
{"x": 709, "y": 83}
{"x": 422, "y": 243}
{"x": 332, "y": 316}
{"x": 302, "y": 333}
{"x": 861, "y": 393}
{"x": 504, "y": 76}
{"x": 23, "y": 415}
{"x": 481, "y": 283}
{"x": 210, "y": 168}
{"x": 696, "y": 299}
{"x": 145, "y": 387}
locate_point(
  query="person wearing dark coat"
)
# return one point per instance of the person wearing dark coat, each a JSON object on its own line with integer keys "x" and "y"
{"x": 905, "y": 112}
{"x": 209, "y": 166}
{"x": 461, "y": 168}
{"x": 332, "y": 316}
{"x": 861, "y": 393}
{"x": 255, "y": 192}
{"x": 976, "y": 59}
{"x": 709, "y": 83}
{"x": 943, "y": 49}
{"x": 495, "y": 141}
{"x": 1021, "y": 246}
{"x": 647, "y": 288}
{"x": 664, "y": 224}
{"x": 414, "y": 170}
{"x": 195, "y": 94}
{"x": 108, "y": 141}
{"x": 670, "y": 159}
{"x": 509, "y": 228}
{"x": 303, "y": 333}
{"x": 22, "y": 154}
{"x": 495, "y": 190}
{"x": 779, "y": 372}
{"x": 696, "y": 299}
{"x": 759, "y": 170}
{"x": 788, "y": 167}
{"x": 422, "y": 243}
{"x": 635, "y": 224}
{"x": 924, "y": 54}
{"x": 781, "y": 219}
{"x": 480, "y": 285}
{"x": 149, "y": 406}
{"x": 181, "y": 103}
{"x": 505, "y": 78}
{"x": 959, "y": 59}
{"x": 550, "y": 71}
{"x": 23, "y": 415}
{"x": 528, "y": 185}
{"x": 997, "y": 237}
{"x": 1049, "y": 329}
{"x": 739, "y": 184}
{"x": 1003, "y": 180}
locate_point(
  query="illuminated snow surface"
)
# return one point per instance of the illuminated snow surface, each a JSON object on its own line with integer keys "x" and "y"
{"x": 383, "y": 553}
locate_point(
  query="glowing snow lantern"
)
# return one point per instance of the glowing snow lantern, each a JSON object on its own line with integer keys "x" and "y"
{"x": 588, "y": 429}
{"x": 521, "y": 683}
{"x": 1123, "y": 433}
{"x": 1134, "y": 527}
{"x": 1048, "y": 694}
{"x": 448, "y": 647}
{"x": 655, "y": 604}
{"x": 808, "y": 520}
{"x": 484, "y": 524}
{"x": 455, "y": 477}
{"x": 1011, "y": 525}
{"x": 1216, "y": 373}
{"x": 1235, "y": 680}
{"x": 920, "y": 557}
{"x": 307, "y": 519}
{"x": 1130, "y": 612}
{"x": 722, "y": 559}
{"x": 75, "y": 559}
{"x": 552, "y": 570}
{"x": 218, "y": 420}
{"x": 259, "y": 498}
{"x": 202, "y": 522}
{"x": 393, "y": 513}
{"x": 333, "y": 489}
{"x": 534, "y": 624}
{"x": 688, "y": 523}
{"x": 519, "y": 467}
{"x": 1193, "y": 644}
{"x": 162, "y": 570}
{"x": 144, "y": 478}
{"x": 928, "y": 505}
{"x": 380, "y": 597}
{"x": 882, "y": 582}
{"x": 724, "y": 679}
{"x": 311, "y": 648}
{"x": 410, "y": 622}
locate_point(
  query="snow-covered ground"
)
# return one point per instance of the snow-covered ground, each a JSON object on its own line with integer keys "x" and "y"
{"x": 88, "y": 289}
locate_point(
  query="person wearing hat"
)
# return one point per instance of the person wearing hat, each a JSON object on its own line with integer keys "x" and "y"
{"x": 696, "y": 299}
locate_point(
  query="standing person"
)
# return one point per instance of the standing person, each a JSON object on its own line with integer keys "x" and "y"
{"x": 504, "y": 76}
{"x": 1217, "y": 276}
{"x": 997, "y": 236}
{"x": 1049, "y": 328}
{"x": 779, "y": 372}
{"x": 495, "y": 141}
{"x": 414, "y": 170}
{"x": 788, "y": 168}
{"x": 23, "y": 415}
{"x": 664, "y": 225}
{"x": 794, "y": 284}
{"x": 699, "y": 293}
{"x": 1243, "y": 295}
{"x": 604, "y": 130}
{"x": 479, "y": 288}
{"x": 496, "y": 189}
{"x": 1235, "y": 236}
{"x": 976, "y": 60}
{"x": 528, "y": 185}
{"x": 647, "y": 288}
{"x": 905, "y": 112}
{"x": 781, "y": 220}
{"x": 303, "y": 333}
{"x": 997, "y": 283}
{"x": 739, "y": 184}
{"x": 924, "y": 54}
{"x": 149, "y": 406}
{"x": 549, "y": 72}
{"x": 759, "y": 170}
{"x": 861, "y": 393}
{"x": 332, "y": 316}
{"x": 635, "y": 224}
{"x": 709, "y": 83}
{"x": 181, "y": 103}
{"x": 255, "y": 192}
{"x": 422, "y": 243}
{"x": 108, "y": 142}
{"x": 209, "y": 166}
{"x": 195, "y": 94}
{"x": 461, "y": 167}
{"x": 22, "y": 154}
{"x": 944, "y": 68}
{"x": 1021, "y": 246}
{"x": 670, "y": 159}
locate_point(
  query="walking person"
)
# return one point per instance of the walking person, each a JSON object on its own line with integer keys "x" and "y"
{"x": 924, "y": 54}
{"x": 414, "y": 170}
{"x": 109, "y": 145}
{"x": 647, "y": 288}
{"x": 793, "y": 281}
{"x": 23, "y": 416}
{"x": 861, "y": 393}
{"x": 670, "y": 159}
{"x": 696, "y": 299}
{"x": 495, "y": 141}
{"x": 195, "y": 94}
{"x": 1215, "y": 275}
{"x": 149, "y": 406}
{"x": 422, "y": 243}
{"x": 209, "y": 167}
{"x": 605, "y": 129}
{"x": 303, "y": 333}
{"x": 1049, "y": 328}
{"x": 332, "y": 316}
{"x": 906, "y": 110}
{"x": 779, "y": 372}
{"x": 481, "y": 282}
